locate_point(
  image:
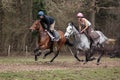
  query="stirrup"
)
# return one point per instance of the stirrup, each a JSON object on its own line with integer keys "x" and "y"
{"x": 55, "y": 39}
{"x": 52, "y": 38}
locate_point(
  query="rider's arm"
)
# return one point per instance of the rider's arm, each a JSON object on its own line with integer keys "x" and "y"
{"x": 80, "y": 28}
{"x": 86, "y": 26}
{"x": 79, "y": 25}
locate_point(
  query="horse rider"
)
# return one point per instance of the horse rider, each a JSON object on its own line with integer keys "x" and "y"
{"x": 48, "y": 23}
{"x": 86, "y": 28}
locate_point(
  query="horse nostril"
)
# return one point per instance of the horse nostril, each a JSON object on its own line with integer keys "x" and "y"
{"x": 66, "y": 36}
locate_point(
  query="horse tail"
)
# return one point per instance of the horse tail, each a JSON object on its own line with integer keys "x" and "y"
{"x": 103, "y": 38}
{"x": 68, "y": 43}
{"x": 111, "y": 41}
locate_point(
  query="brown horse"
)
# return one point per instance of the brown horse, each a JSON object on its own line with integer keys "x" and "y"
{"x": 44, "y": 41}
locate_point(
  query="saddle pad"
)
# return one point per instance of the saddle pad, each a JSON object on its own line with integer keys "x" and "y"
{"x": 57, "y": 36}
{"x": 94, "y": 35}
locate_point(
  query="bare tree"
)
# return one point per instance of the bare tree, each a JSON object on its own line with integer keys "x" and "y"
{"x": 1, "y": 22}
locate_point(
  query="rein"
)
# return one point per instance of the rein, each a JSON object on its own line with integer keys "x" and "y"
{"x": 71, "y": 31}
{"x": 76, "y": 29}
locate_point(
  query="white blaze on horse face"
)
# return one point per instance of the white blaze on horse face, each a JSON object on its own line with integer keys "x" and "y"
{"x": 69, "y": 31}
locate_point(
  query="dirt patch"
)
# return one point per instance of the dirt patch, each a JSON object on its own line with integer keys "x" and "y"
{"x": 57, "y": 65}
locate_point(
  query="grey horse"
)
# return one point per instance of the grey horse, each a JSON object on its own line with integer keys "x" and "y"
{"x": 82, "y": 43}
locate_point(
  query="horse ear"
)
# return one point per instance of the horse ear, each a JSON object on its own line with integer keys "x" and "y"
{"x": 70, "y": 23}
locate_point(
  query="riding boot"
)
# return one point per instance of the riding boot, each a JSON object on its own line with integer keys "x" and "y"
{"x": 53, "y": 34}
{"x": 91, "y": 42}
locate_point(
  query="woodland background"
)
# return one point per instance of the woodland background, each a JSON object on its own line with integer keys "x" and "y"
{"x": 16, "y": 16}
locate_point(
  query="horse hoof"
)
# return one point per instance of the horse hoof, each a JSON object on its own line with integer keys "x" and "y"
{"x": 36, "y": 58}
{"x": 97, "y": 63}
{"x": 93, "y": 58}
{"x": 44, "y": 57}
{"x": 48, "y": 62}
{"x": 81, "y": 60}
{"x": 85, "y": 63}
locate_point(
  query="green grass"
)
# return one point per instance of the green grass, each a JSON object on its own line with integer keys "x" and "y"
{"x": 30, "y": 60}
{"x": 82, "y": 74}
{"x": 103, "y": 73}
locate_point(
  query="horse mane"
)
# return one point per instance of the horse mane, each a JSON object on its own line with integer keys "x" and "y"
{"x": 38, "y": 22}
{"x": 33, "y": 21}
{"x": 76, "y": 27}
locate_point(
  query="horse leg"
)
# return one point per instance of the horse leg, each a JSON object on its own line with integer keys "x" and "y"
{"x": 57, "y": 53}
{"x": 90, "y": 58}
{"x": 88, "y": 54}
{"x": 99, "y": 58}
{"x": 60, "y": 44}
{"x": 86, "y": 57}
{"x": 75, "y": 55}
{"x": 101, "y": 54}
{"x": 37, "y": 53}
{"x": 51, "y": 50}
{"x": 36, "y": 49}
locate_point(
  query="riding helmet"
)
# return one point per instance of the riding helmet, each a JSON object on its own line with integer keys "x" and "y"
{"x": 40, "y": 13}
{"x": 80, "y": 15}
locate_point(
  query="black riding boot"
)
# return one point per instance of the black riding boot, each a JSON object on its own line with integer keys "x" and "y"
{"x": 89, "y": 37}
{"x": 53, "y": 33}
{"x": 91, "y": 42}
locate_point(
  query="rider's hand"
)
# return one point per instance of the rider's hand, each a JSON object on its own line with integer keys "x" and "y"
{"x": 81, "y": 32}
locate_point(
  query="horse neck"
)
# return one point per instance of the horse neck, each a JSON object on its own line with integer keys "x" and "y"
{"x": 78, "y": 36}
{"x": 41, "y": 30}
{"x": 42, "y": 33}
{"x": 75, "y": 31}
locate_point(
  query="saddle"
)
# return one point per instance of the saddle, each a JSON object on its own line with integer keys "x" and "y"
{"x": 56, "y": 36}
{"x": 94, "y": 35}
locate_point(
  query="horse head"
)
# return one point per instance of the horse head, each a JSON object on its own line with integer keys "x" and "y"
{"x": 36, "y": 26}
{"x": 70, "y": 30}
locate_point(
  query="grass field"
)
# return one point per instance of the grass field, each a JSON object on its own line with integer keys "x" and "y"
{"x": 63, "y": 68}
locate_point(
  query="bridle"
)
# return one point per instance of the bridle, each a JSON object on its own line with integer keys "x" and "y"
{"x": 71, "y": 30}
{"x": 38, "y": 26}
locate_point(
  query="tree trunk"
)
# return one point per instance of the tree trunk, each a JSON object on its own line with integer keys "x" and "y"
{"x": 92, "y": 15}
{"x": 30, "y": 13}
{"x": 1, "y": 22}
